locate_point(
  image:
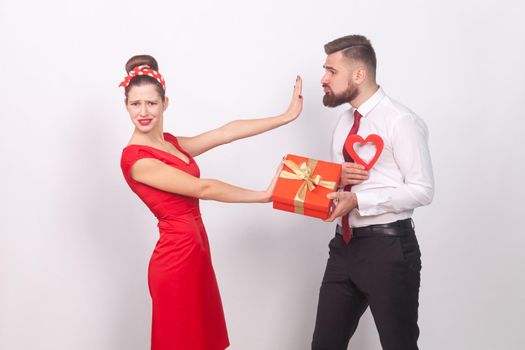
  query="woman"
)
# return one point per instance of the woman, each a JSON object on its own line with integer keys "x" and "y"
{"x": 160, "y": 169}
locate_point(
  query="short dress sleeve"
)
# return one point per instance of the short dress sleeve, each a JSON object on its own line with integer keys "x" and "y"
{"x": 130, "y": 155}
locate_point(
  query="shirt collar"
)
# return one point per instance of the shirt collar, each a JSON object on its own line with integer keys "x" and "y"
{"x": 372, "y": 101}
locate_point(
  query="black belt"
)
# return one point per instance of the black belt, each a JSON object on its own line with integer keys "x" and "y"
{"x": 397, "y": 228}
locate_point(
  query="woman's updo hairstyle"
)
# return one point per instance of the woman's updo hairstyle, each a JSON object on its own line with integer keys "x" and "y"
{"x": 140, "y": 80}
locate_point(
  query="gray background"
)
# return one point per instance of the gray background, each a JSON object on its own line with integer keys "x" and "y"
{"x": 75, "y": 241}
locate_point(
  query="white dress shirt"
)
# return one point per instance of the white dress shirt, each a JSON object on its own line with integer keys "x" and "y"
{"x": 402, "y": 179}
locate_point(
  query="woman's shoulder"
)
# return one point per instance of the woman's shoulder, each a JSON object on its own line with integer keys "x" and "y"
{"x": 171, "y": 138}
{"x": 133, "y": 152}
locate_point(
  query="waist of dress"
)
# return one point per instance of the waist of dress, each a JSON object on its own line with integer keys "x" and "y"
{"x": 171, "y": 211}
{"x": 180, "y": 220}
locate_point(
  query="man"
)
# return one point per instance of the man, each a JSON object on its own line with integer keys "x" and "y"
{"x": 374, "y": 258}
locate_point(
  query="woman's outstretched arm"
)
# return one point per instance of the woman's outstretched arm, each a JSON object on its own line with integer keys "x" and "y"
{"x": 154, "y": 173}
{"x": 240, "y": 129}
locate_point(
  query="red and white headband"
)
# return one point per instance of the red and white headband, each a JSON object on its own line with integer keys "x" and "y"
{"x": 143, "y": 70}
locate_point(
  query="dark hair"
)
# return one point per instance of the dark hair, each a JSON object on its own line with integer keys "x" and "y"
{"x": 139, "y": 80}
{"x": 354, "y": 47}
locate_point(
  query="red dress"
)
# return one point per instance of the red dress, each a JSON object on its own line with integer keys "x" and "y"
{"x": 187, "y": 307}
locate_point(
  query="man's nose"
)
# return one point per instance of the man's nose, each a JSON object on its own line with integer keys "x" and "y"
{"x": 324, "y": 79}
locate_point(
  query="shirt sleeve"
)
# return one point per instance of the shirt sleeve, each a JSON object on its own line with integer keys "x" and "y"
{"x": 412, "y": 156}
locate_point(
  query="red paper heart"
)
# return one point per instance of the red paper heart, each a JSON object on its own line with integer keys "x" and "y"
{"x": 372, "y": 138}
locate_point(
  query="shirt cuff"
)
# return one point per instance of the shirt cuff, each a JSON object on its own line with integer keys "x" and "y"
{"x": 367, "y": 204}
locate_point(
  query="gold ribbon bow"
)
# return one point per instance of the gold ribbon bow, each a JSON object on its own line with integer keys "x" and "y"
{"x": 304, "y": 172}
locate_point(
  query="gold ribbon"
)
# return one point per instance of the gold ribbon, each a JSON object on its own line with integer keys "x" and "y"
{"x": 304, "y": 173}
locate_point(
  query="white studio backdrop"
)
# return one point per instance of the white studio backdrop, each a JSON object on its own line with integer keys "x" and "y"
{"x": 75, "y": 241}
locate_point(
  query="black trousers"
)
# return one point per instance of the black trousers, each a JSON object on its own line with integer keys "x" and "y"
{"x": 377, "y": 270}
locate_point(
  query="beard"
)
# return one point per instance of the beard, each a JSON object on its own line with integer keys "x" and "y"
{"x": 333, "y": 100}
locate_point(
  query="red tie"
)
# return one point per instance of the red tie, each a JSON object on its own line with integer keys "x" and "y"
{"x": 347, "y": 234}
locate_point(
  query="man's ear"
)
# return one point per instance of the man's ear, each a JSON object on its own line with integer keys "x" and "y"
{"x": 360, "y": 75}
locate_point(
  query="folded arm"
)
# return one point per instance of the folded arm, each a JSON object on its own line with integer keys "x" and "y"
{"x": 410, "y": 147}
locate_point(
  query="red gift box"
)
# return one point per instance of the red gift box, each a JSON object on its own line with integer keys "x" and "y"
{"x": 303, "y": 185}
